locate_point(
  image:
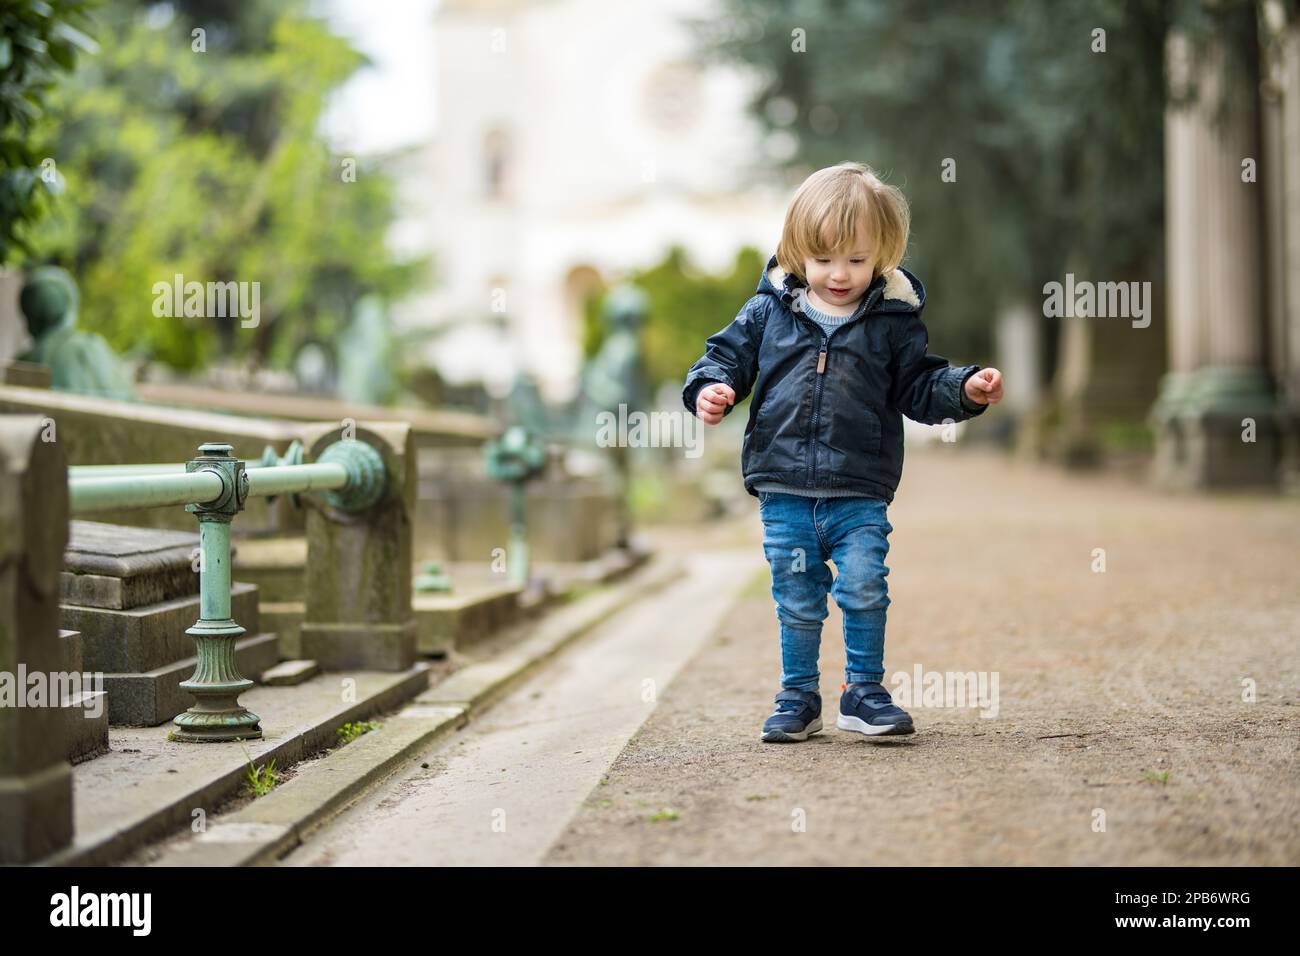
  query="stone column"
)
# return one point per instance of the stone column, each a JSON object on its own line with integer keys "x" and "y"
{"x": 1218, "y": 388}
{"x": 35, "y": 776}
{"x": 359, "y": 569}
{"x": 1280, "y": 175}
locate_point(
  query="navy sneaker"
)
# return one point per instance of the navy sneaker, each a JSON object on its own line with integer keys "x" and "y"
{"x": 798, "y": 716}
{"x": 868, "y": 708}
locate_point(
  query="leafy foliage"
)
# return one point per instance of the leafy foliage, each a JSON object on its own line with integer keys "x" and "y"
{"x": 191, "y": 146}
{"x": 686, "y": 306}
{"x": 39, "y": 40}
{"x": 1058, "y": 146}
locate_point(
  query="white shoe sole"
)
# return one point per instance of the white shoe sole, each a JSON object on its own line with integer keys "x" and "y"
{"x": 858, "y": 725}
{"x": 780, "y": 735}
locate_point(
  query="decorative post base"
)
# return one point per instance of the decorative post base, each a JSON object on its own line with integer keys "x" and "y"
{"x": 217, "y": 715}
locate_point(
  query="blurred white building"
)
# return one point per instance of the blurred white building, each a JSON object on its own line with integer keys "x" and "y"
{"x": 575, "y": 139}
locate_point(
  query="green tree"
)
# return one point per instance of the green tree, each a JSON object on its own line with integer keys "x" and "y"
{"x": 686, "y": 306}
{"x": 191, "y": 146}
{"x": 1056, "y": 146}
{"x": 39, "y": 39}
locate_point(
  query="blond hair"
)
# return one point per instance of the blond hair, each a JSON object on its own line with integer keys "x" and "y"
{"x": 836, "y": 206}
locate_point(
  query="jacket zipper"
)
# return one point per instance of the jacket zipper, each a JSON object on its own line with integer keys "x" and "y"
{"x": 817, "y": 393}
{"x": 821, "y": 377}
{"x": 817, "y": 405}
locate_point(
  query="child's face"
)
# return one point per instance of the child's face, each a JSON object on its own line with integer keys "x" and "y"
{"x": 841, "y": 277}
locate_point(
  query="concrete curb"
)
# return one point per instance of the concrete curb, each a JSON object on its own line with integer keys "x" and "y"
{"x": 111, "y": 845}
{"x": 271, "y": 826}
{"x": 476, "y": 686}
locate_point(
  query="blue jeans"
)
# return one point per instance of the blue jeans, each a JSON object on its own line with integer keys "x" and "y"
{"x": 799, "y": 535}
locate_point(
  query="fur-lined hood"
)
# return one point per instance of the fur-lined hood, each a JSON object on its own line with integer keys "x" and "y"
{"x": 895, "y": 291}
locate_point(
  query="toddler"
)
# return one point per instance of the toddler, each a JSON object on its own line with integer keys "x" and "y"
{"x": 833, "y": 348}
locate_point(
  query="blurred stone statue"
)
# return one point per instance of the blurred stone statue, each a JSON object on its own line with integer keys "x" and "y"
{"x": 527, "y": 407}
{"x": 616, "y": 376}
{"x": 368, "y": 354}
{"x": 314, "y": 368}
{"x": 79, "y": 362}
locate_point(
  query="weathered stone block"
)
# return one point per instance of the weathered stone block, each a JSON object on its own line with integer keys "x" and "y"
{"x": 114, "y": 566}
{"x": 275, "y": 565}
{"x": 285, "y": 619}
{"x": 143, "y": 639}
{"x": 35, "y": 777}
{"x": 288, "y": 673}
{"x": 447, "y": 621}
{"x": 359, "y": 566}
{"x": 85, "y": 718}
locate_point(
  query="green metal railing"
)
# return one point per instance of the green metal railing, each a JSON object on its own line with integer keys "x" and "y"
{"x": 214, "y": 487}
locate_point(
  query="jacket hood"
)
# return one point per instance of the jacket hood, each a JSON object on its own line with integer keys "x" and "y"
{"x": 894, "y": 291}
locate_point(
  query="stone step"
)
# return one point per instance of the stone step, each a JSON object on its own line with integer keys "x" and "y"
{"x": 275, "y": 565}
{"x": 119, "y": 567}
{"x": 149, "y": 699}
{"x": 86, "y": 723}
{"x": 86, "y": 712}
{"x": 141, "y": 639}
{"x": 457, "y": 620}
{"x": 443, "y": 621}
{"x": 285, "y": 619}
{"x": 70, "y": 651}
{"x": 288, "y": 673}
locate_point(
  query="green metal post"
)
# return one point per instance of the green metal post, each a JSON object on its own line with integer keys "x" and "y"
{"x": 516, "y": 457}
{"x": 517, "y": 563}
{"x": 216, "y": 684}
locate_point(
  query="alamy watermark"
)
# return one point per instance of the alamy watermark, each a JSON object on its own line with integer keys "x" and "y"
{"x": 1102, "y": 300}
{"x": 947, "y": 689}
{"x": 75, "y": 908}
{"x": 54, "y": 689}
{"x": 215, "y": 300}
{"x": 659, "y": 429}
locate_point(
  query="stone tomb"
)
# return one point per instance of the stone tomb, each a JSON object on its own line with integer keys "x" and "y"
{"x": 132, "y": 593}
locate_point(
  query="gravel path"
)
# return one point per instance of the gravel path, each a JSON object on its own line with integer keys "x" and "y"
{"x": 1120, "y": 734}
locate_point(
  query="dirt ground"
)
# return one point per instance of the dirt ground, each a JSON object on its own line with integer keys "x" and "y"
{"x": 1124, "y": 732}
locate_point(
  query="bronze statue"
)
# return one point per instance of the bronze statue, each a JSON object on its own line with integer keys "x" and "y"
{"x": 79, "y": 362}
{"x": 616, "y": 377}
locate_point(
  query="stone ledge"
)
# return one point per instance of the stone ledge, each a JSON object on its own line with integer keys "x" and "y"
{"x": 128, "y": 797}
{"x": 273, "y": 825}
{"x": 500, "y": 663}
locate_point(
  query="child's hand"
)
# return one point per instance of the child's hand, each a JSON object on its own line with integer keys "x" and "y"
{"x": 712, "y": 402}
{"x": 985, "y": 386}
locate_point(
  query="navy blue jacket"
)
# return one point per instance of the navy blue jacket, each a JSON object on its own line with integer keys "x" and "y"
{"x": 828, "y": 409}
